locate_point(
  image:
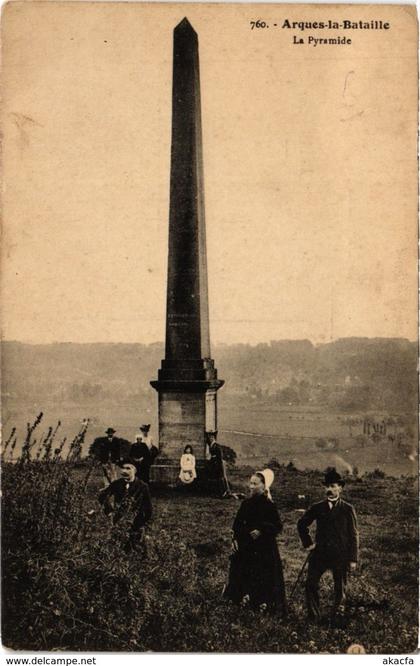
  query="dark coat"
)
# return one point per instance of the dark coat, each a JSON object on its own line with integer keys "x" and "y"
{"x": 337, "y": 536}
{"x": 143, "y": 458}
{"x": 256, "y": 569}
{"x": 109, "y": 450}
{"x": 122, "y": 498}
{"x": 215, "y": 464}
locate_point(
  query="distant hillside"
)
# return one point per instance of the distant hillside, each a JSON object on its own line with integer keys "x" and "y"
{"x": 346, "y": 375}
{"x": 288, "y": 400}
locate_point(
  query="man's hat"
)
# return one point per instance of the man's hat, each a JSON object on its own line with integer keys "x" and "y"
{"x": 145, "y": 427}
{"x": 332, "y": 476}
{"x": 110, "y": 431}
{"x": 211, "y": 432}
{"x": 126, "y": 461}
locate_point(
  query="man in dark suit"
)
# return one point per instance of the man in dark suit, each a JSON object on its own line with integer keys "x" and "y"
{"x": 128, "y": 497}
{"x": 216, "y": 466}
{"x": 107, "y": 451}
{"x": 336, "y": 544}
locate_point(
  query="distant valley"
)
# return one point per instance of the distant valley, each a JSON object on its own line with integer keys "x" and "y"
{"x": 351, "y": 402}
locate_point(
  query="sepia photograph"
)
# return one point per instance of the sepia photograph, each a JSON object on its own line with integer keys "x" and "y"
{"x": 209, "y": 346}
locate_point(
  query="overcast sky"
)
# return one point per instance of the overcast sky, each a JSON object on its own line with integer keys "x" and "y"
{"x": 309, "y": 167}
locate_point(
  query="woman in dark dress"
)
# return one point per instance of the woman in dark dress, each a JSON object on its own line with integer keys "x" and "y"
{"x": 143, "y": 453}
{"x": 256, "y": 572}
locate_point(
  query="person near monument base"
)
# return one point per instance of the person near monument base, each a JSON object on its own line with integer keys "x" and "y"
{"x": 128, "y": 499}
{"x": 143, "y": 453}
{"x": 336, "y": 545}
{"x": 216, "y": 466}
{"x": 256, "y": 571}
{"x": 107, "y": 451}
{"x": 187, "y": 473}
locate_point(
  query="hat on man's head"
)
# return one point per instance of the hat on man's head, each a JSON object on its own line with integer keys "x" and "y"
{"x": 110, "y": 431}
{"x": 332, "y": 476}
{"x": 126, "y": 461}
{"x": 145, "y": 427}
{"x": 211, "y": 432}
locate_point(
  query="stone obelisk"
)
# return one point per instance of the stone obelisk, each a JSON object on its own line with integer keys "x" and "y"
{"x": 187, "y": 381}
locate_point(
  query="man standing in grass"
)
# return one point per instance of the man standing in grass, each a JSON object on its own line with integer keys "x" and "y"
{"x": 335, "y": 548}
{"x": 216, "y": 465}
{"x": 107, "y": 451}
{"x": 128, "y": 498}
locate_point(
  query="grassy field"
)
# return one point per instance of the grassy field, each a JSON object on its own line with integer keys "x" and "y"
{"x": 69, "y": 585}
{"x": 255, "y": 449}
{"x": 257, "y": 433}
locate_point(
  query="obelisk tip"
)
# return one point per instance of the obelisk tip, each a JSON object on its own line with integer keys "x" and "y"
{"x": 185, "y": 26}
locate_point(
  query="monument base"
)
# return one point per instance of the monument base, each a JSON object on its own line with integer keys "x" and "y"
{"x": 181, "y": 422}
{"x": 166, "y": 473}
{"x": 187, "y": 412}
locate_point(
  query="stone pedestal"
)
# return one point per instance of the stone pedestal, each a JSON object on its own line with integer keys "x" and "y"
{"x": 182, "y": 417}
{"x": 187, "y": 411}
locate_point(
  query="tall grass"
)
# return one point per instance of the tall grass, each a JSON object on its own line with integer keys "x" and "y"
{"x": 69, "y": 584}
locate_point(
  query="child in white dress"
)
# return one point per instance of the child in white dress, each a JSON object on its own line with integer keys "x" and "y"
{"x": 187, "y": 472}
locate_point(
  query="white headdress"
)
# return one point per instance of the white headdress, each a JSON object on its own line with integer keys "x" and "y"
{"x": 268, "y": 476}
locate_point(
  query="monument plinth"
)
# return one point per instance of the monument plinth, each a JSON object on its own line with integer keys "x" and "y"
{"x": 187, "y": 381}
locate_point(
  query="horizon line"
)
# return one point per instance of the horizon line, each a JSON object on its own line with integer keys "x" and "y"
{"x": 216, "y": 343}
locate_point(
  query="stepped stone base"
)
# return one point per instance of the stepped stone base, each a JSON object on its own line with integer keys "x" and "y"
{"x": 166, "y": 473}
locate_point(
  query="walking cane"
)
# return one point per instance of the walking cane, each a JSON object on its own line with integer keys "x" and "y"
{"x": 225, "y": 479}
{"x": 299, "y": 576}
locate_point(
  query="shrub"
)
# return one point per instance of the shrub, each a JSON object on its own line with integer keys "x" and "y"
{"x": 229, "y": 455}
{"x": 376, "y": 474}
{"x": 67, "y": 580}
{"x": 273, "y": 463}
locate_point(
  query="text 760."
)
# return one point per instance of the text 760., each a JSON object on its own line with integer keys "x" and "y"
{"x": 258, "y": 24}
